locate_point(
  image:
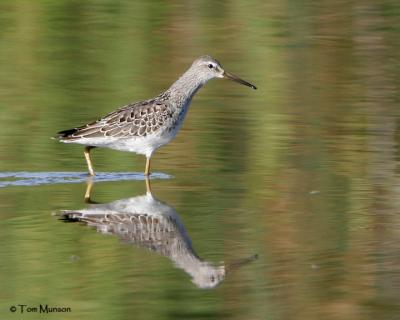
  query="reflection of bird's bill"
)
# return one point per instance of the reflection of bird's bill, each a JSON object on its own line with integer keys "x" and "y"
{"x": 240, "y": 262}
{"x": 237, "y": 79}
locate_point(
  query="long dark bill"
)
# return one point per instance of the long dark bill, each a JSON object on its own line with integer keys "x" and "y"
{"x": 237, "y": 79}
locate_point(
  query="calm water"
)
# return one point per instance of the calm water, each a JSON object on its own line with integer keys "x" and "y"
{"x": 303, "y": 172}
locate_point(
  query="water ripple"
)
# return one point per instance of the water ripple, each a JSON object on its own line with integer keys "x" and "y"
{"x": 25, "y": 178}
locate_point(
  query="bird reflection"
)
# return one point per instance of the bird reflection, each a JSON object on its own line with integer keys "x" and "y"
{"x": 152, "y": 224}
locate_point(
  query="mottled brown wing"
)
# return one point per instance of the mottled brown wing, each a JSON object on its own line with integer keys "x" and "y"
{"x": 138, "y": 119}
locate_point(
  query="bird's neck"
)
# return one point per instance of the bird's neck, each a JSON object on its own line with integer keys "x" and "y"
{"x": 186, "y": 86}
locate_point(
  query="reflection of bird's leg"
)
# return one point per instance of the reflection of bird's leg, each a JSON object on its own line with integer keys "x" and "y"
{"x": 148, "y": 186}
{"x": 86, "y": 152}
{"x": 89, "y": 187}
{"x": 147, "y": 170}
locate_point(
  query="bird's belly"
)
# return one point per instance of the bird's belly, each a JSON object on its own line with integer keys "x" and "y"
{"x": 145, "y": 145}
{"x": 141, "y": 145}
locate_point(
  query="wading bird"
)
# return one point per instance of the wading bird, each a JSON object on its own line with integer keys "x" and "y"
{"x": 142, "y": 127}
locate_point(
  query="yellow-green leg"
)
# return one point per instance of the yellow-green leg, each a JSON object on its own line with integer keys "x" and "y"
{"x": 89, "y": 187}
{"x": 88, "y": 193}
{"x": 148, "y": 186}
{"x": 88, "y": 160}
{"x": 147, "y": 170}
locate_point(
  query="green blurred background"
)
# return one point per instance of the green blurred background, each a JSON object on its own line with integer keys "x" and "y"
{"x": 303, "y": 171}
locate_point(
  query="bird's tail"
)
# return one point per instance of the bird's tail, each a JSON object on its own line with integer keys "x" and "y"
{"x": 65, "y": 134}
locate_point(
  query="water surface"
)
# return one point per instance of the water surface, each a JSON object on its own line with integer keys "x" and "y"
{"x": 303, "y": 172}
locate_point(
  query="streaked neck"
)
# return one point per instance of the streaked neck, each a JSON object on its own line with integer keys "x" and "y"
{"x": 186, "y": 86}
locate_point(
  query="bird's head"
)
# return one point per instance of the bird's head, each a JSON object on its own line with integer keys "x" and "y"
{"x": 209, "y": 68}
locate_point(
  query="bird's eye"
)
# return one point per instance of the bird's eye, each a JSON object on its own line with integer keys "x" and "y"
{"x": 210, "y": 66}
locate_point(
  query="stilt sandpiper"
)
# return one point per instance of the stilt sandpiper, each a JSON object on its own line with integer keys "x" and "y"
{"x": 142, "y": 127}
